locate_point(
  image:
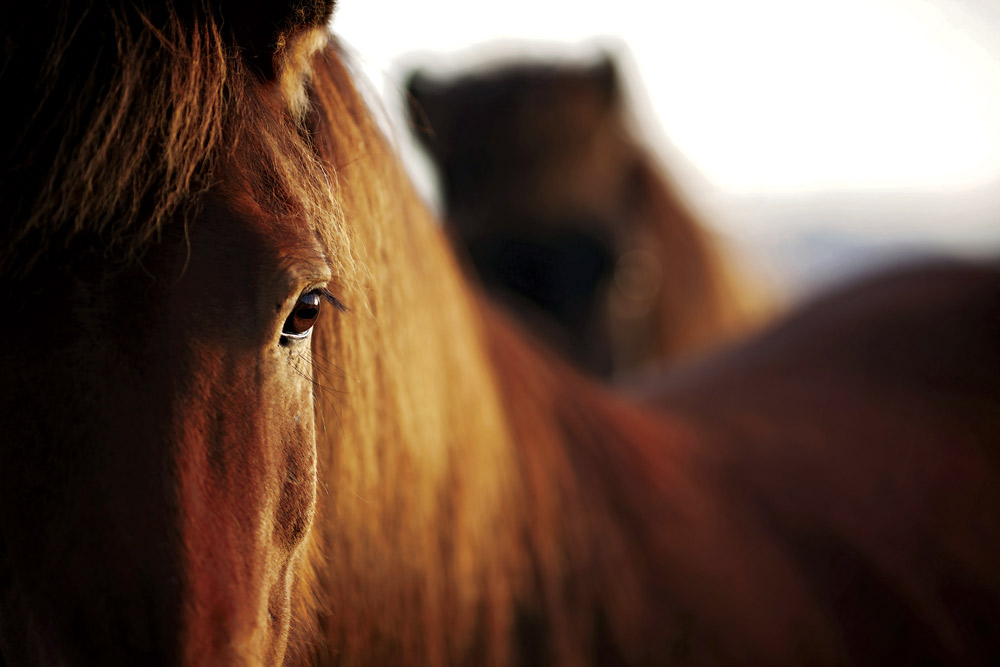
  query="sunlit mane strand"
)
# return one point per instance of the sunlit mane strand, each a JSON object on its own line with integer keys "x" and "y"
{"x": 130, "y": 129}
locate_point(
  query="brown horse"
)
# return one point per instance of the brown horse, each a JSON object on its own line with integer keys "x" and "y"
{"x": 198, "y": 466}
{"x": 569, "y": 220}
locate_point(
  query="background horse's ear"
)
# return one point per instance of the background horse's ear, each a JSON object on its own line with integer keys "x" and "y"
{"x": 263, "y": 28}
{"x": 604, "y": 76}
{"x": 423, "y": 93}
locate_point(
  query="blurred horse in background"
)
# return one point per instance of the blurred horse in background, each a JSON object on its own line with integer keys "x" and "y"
{"x": 569, "y": 220}
{"x": 253, "y": 414}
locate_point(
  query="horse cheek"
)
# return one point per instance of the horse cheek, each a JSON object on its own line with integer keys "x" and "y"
{"x": 297, "y": 498}
{"x": 246, "y": 476}
{"x": 289, "y": 430}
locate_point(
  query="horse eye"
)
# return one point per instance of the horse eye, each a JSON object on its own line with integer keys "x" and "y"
{"x": 302, "y": 317}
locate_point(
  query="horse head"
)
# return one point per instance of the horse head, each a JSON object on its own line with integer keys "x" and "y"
{"x": 158, "y": 467}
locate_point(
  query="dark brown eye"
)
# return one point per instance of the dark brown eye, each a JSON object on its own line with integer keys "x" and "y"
{"x": 303, "y": 316}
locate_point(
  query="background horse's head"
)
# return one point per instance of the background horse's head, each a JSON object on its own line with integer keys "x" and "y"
{"x": 567, "y": 217}
{"x": 163, "y": 263}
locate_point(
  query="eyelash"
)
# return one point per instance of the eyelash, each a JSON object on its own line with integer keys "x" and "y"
{"x": 328, "y": 296}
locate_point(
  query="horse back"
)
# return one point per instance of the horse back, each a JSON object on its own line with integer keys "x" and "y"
{"x": 861, "y": 439}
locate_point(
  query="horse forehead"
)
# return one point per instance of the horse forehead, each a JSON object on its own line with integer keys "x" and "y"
{"x": 289, "y": 242}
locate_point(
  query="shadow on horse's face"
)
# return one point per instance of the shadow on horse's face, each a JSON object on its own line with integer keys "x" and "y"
{"x": 160, "y": 438}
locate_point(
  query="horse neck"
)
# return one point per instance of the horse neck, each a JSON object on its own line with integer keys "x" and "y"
{"x": 464, "y": 511}
{"x": 705, "y": 295}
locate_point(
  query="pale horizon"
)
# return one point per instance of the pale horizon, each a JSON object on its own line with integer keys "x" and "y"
{"x": 892, "y": 104}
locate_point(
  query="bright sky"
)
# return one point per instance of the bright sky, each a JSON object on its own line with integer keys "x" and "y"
{"x": 782, "y": 98}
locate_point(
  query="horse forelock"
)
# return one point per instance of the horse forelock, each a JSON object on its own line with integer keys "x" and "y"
{"x": 131, "y": 116}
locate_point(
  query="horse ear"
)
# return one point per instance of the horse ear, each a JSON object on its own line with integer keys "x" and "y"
{"x": 423, "y": 94}
{"x": 604, "y": 76}
{"x": 263, "y": 29}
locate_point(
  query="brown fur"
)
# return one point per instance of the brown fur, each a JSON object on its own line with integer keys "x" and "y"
{"x": 420, "y": 485}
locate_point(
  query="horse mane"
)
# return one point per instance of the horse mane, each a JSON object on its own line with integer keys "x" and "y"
{"x": 705, "y": 297}
{"x": 477, "y": 513}
{"x": 431, "y": 453}
{"x": 134, "y": 127}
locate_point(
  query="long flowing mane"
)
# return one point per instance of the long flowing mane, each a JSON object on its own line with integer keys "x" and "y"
{"x": 433, "y": 452}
